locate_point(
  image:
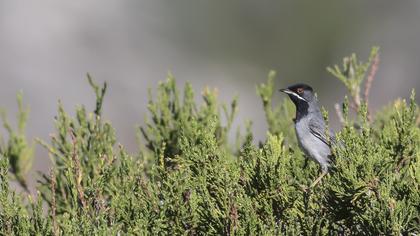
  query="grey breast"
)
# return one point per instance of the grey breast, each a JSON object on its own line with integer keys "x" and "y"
{"x": 311, "y": 145}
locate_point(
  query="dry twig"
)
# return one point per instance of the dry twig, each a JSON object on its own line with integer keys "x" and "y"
{"x": 370, "y": 78}
{"x": 339, "y": 113}
{"x": 77, "y": 172}
{"x": 53, "y": 202}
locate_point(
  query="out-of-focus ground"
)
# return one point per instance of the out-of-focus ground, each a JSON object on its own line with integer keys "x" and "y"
{"x": 47, "y": 47}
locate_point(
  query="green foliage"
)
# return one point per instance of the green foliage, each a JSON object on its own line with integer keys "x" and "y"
{"x": 188, "y": 180}
{"x": 17, "y": 149}
{"x": 272, "y": 112}
{"x": 353, "y": 74}
{"x": 375, "y": 187}
{"x": 172, "y": 118}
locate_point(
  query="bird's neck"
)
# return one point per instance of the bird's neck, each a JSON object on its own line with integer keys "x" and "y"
{"x": 304, "y": 109}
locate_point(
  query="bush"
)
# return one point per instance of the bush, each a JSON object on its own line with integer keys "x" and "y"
{"x": 190, "y": 180}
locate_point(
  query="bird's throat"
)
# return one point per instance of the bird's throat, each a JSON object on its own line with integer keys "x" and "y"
{"x": 302, "y": 110}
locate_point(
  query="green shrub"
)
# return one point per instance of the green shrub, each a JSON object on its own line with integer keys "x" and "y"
{"x": 189, "y": 179}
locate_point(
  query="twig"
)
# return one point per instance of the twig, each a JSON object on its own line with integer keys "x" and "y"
{"x": 339, "y": 113}
{"x": 77, "y": 172}
{"x": 356, "y": 99}
{"x": 233, "y": 215}
{"x": 53, "y": 202}
{"x": 353, "y": 105}
{"x": 370, "y": 78}
{"x": 401, "y": 163}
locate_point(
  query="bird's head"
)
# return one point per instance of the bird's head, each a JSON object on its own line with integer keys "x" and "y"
{"x": 300, "y": 94}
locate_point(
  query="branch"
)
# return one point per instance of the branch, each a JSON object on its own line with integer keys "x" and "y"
{"x": 370, "y": 78}
{"x": 53, "y": 202}
{"x": 77, "y": 171}
{"x": 339, "y": 113}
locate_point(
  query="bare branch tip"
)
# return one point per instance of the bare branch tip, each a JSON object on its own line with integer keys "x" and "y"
{"x": 339, "y": 113}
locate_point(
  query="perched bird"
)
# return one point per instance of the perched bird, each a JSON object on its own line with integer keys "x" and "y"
{"x": 310, "y": 126}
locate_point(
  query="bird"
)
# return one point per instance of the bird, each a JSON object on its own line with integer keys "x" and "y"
{"x": 310, "y": 127}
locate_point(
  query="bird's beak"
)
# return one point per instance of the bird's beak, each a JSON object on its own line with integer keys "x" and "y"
{"x": 290, "y": 92}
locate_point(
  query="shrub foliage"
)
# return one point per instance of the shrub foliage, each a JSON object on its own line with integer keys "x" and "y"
{"x": 189, "y": 179}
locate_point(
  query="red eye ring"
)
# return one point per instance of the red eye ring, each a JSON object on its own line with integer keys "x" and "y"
{"x": 299, "y": 90}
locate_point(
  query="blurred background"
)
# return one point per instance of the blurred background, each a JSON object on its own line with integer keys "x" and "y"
{"x": 47, "y": 47}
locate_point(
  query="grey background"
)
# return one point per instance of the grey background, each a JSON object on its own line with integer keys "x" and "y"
{"x": 47, "y": 47}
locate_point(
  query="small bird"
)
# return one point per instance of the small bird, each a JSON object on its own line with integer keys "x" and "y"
{"x": 310, "y": 126}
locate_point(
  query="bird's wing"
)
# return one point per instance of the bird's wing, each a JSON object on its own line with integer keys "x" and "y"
{"x": 317, "y": 128}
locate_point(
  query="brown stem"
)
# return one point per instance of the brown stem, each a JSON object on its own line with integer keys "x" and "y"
{"x": 353, "y": 105}
{"x": 53, "y": 202}
{"x": 77, "y": 172}
{"x": 370, "y": 78}
{"x": 401, "y": 163}
{"x": 339, "y": 113}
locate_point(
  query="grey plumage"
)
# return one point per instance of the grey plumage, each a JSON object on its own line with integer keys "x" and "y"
{"x": 312, "y": 140}
{"x": 310, "y": 125}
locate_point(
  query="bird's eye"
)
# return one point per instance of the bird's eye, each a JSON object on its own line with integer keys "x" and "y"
{"x": 299, "y": 90}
